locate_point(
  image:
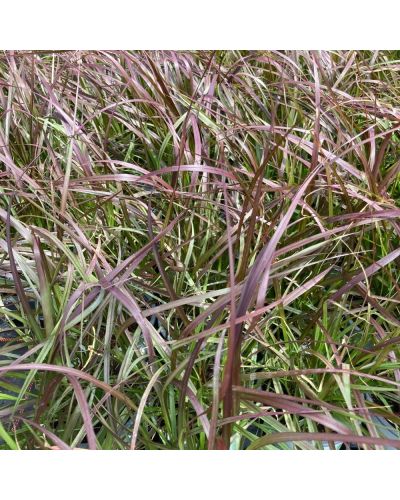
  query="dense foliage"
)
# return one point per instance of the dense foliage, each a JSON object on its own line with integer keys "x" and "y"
{"x": 199, "y": 250}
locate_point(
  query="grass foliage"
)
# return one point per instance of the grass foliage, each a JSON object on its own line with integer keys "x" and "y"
{"x": 199, "y": 250}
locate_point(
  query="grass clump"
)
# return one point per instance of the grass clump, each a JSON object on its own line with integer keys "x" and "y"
{"x": 199, "y": 250}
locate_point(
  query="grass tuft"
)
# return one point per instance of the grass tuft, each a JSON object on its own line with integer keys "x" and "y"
{"x": 199, "y": 250}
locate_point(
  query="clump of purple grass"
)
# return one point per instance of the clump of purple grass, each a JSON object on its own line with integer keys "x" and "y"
{"x": 199, "y": 250}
